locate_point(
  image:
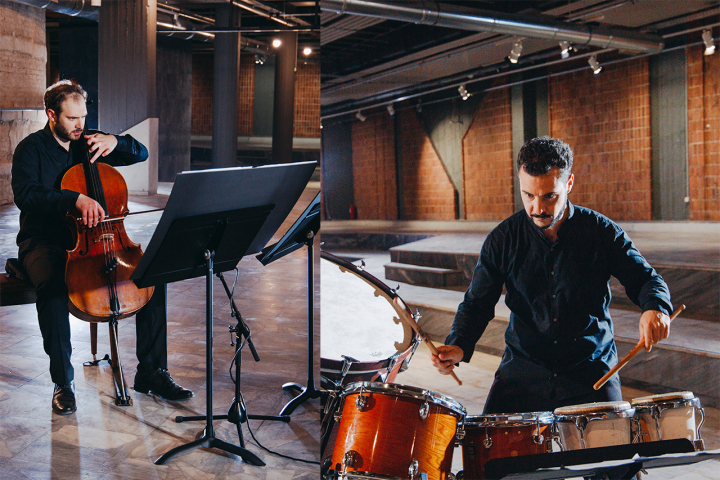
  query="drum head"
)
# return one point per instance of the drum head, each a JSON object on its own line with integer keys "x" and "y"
{"x": 590, "y": 408}
{"x": 663, "y": 398}
{"x": 358, "y": 319}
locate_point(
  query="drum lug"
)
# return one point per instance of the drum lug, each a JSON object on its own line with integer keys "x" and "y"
{"x": 361, "y": 402}
{"x": 413, "y": 469}
{"x": 460, "y": 434}
{"x": 348, "y": 460}
{"x": 538, "y": 439}
{"x": 424, "y": 410}
{"x": 487, "y": 442}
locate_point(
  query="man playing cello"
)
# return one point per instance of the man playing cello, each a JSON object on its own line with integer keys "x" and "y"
{"x": 39, "y": 162}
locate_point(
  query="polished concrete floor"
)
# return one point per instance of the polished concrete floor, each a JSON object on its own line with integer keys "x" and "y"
{"x": 104, "y": 441}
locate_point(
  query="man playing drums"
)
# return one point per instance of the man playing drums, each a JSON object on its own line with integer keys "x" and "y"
{"x": 555, "y": 260}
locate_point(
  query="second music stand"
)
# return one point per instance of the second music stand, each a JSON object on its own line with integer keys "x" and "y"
{"x": 301, "y": 233}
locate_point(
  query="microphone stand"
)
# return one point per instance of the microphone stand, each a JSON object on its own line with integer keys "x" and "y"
{"x": 237, "y": 413}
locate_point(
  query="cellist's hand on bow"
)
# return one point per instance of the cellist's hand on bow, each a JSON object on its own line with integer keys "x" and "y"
{"x": 90, "y": 210}
{"x": 101, "y": 144}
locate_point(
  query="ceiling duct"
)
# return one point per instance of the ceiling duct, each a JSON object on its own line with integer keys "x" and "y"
{"x": 451, "y": 16}
{"x": 73, "y": 8}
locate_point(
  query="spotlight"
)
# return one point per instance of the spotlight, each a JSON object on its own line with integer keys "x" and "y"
{"x": 515, "y": 52}
{"x": 391, "y": 110}
{"x": 463, "y": 92}
{"x": 276, "y": 43}
{"x": 259, "y": 59}
{"x": 360, "y": 116}
{"x": 565, "y": 49}
{"x": 307, "y": 51}
{"x": 709, "y": 42}
{"x": 596, "y": 67}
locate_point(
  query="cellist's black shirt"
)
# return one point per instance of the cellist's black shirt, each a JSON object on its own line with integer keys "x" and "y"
{"x": 39, "y": 163}
{"x": 560, "y": 327}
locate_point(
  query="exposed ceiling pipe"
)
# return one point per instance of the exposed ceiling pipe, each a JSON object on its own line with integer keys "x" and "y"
{"x": 74, "y": 8}
{"x": 450, "y": 16}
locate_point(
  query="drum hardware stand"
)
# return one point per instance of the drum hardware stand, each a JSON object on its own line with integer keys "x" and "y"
{"x": 331, "y": 404}
{"x": 237, "y": 413}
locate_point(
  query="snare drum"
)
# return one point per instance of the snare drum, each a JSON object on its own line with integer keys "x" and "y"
{"x": 669, "y": 416}
{"x": 592, "y": 425}
{"x": 499, "y": 436}
{"x": 395, "y": 431}
{"x": 361, "y": 324}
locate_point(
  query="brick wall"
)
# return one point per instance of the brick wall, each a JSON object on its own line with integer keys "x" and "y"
{"x": 246, "y": 96}
{"x": 704, "y": 134}
{"x": 606, "y": 120}
{"x": 23, "y": 58}
{"x": 374, "y": 177}
{"x": 202, "y": 90}
{"x": 307, "y": 101}
{"x": 307, "y": 97}
{"x": 428, "y": 193}
{"x": 488, "y": 160}
{"x": 202, "y": 93}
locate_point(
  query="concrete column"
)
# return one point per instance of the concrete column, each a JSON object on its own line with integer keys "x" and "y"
{"x": 225, "y": 88}
{"x": 284, "y": 106}
{"x": 127, "y": 83}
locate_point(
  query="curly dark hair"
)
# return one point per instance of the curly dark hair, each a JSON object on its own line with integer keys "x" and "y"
{"x": 58, "y": 92}
{"x": 541, "y": 154}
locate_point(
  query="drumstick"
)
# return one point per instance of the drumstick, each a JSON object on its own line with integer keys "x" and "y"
{"x": 411, "y": 321}
{"x": 633, "y": 352}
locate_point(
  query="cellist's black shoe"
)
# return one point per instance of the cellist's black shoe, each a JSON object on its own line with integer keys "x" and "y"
{"x": 63, "y": 402}
{"x": 161, "y": 383}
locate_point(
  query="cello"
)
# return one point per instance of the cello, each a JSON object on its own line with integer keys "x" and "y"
{"x": 98, "y": 268}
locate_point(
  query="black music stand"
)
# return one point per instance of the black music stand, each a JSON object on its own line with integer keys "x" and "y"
{"x": 201, "y": 231}
{"x": 302, "y": 232}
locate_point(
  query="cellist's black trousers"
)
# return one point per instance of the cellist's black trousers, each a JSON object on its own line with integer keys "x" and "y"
{"x": 45, "y": 266}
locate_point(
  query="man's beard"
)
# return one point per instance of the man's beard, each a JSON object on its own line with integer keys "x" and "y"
{"x": 555, "y": 220}
{"x": 64, "y": 133}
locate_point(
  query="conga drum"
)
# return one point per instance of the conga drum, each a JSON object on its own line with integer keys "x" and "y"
{"x": 362, "y": 338}
{"x": 592, "y": 425}
{"x": 395, "y": 432}
{"x": 669, "y": 416}
{"x": 486, "y": 437}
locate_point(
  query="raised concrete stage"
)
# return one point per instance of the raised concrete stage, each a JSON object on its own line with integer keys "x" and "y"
{"x": 686, "y": 254}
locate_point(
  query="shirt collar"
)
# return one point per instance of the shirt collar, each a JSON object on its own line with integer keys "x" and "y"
{"x": 50, "y": 140}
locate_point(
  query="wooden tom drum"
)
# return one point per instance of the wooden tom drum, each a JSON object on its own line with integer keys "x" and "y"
{"x": 487, "y": 437}
{"x": 395, "y": 431}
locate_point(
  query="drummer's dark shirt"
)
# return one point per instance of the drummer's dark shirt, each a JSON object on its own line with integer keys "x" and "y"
{"x": 39, "y": 163}
{"x": 560, "y": 337}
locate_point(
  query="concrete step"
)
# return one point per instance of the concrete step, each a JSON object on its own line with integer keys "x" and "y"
{"x": 424, "y": 276}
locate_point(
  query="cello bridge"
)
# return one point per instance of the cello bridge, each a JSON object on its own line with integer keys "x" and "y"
{"x": 105, "y": 237}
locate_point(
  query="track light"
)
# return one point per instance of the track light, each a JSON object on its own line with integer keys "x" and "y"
{"x": 391, "y": 110}
{"x": 596, "y": 67}
{"x": 709, "y": 42}
{"x": 307, "y": 51}
{"x": 276, "y": 43}
{"x": 565, "y": 49}
{"x": 259, "y": 59}
{"x": 360, "y": 116}
{"x": 515, "y": 52}
{"x": 464, "y": 94}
